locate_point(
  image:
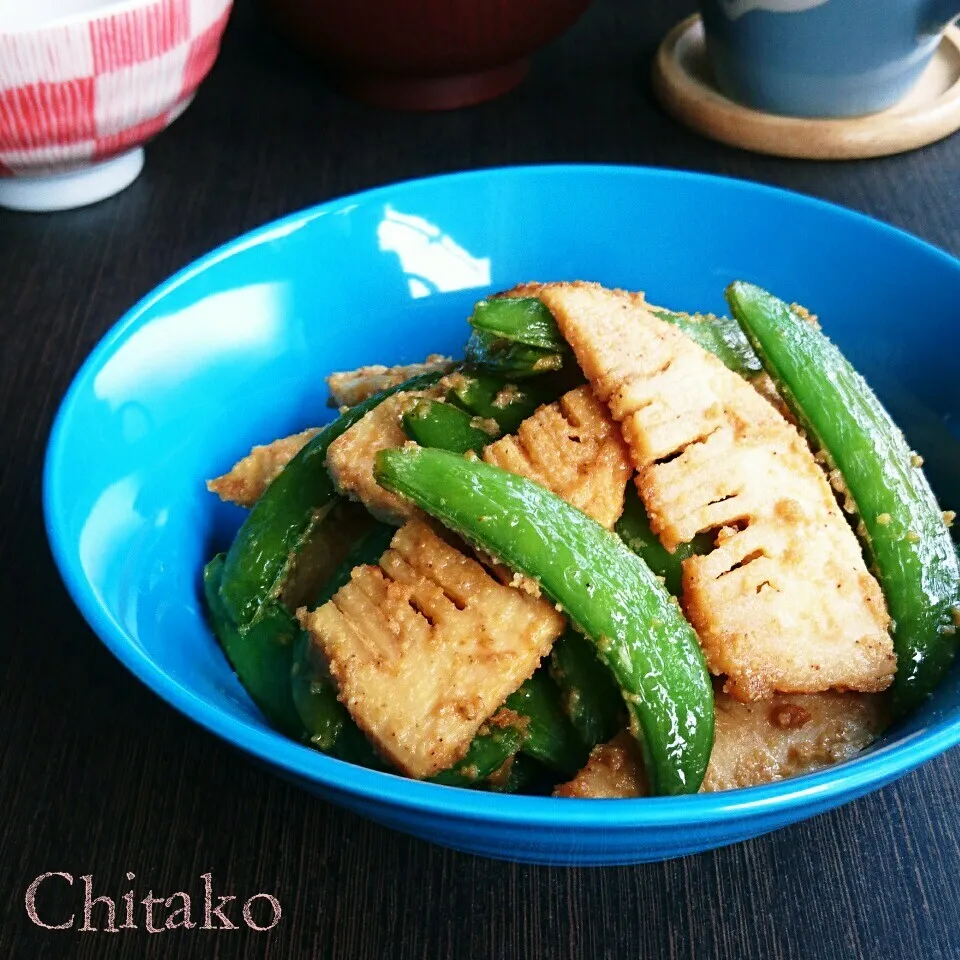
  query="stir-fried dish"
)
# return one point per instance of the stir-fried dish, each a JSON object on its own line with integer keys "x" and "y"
{"x": 614, "y": 551}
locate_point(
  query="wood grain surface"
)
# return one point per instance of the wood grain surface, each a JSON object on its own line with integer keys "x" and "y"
{"x": 99, "y": 777}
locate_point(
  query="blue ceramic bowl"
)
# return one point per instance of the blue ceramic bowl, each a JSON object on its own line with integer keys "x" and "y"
{"x": 233, "y": 351}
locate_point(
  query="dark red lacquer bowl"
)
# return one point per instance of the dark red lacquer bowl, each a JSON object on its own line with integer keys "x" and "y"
{"x": 424, "y": 54}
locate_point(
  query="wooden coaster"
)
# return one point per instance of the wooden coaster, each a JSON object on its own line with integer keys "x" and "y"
{"x": 683, "y": 83}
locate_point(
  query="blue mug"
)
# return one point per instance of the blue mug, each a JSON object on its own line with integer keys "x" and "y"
{"x": 822, "y": 58}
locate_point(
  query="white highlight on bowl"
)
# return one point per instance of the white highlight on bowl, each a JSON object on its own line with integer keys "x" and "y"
{"x": 167, "y": 352}
{"x": 431, "y": 259}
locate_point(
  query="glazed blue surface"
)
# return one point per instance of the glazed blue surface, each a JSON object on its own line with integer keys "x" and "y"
{"x": 822, "y": 58}
{"x": 233, "y": 350}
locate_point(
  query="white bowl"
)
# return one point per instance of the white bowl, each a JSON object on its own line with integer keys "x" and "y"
{"x": 85, "y": 83}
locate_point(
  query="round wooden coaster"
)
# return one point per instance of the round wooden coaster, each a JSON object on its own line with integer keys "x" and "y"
{"x": 684, "y": 86}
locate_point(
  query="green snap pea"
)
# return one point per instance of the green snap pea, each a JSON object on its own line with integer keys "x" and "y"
{"x": 264, "y": 554}
{"x": 519, "y": 320}
{"x": 493, "y": 398}
{"x": 633, "y": 528}
{"x": 434, "y": 424}
{"x": 260, "y": 656}
{"x": 590, "y": 696}
{"x": 721, "y": 336}
{"x": 492, "y": 354}
{"x": 353, "y": 746}
{"x": 610, "y": 595}
{"x": 521, "y": 774}
{"x": 314, "y": 695}
{"x": 487, "y": 753}
{"x": 550, "y": 736}
{"x": 902, "y": 525}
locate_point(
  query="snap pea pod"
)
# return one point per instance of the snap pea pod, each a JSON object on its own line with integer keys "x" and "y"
{"x": 633, "y": 528}
{"x": 264, "y": 552}
{"x": 260, "y": 656}
{"x": 434, "y": 424}
{"x": 266, "y": 645}
{"x": 610, "y": 595}
{"x": 520, "y": 320}
{"x": 551, "y": 737}
{"x": 493, "y": 354}
{"x": 721, "y": 336}
{"x": 520, "y": 774}
{"x": 902, "y": 525}
{"x": 493, "y": 398}
{"x": 314, "y": 695}
{"x": 590, "y": 697}
{"x": 487, "y": 753}
{"x": 352, "y": 746}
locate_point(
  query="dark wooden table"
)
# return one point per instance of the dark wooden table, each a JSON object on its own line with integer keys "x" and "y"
{"x": 99, "y": 777}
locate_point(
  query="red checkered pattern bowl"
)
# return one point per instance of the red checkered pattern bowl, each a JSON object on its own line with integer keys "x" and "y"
{"x": 79, "y": 93}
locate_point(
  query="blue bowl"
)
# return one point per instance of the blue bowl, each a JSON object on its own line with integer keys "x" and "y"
{"x": 233, "y": 351}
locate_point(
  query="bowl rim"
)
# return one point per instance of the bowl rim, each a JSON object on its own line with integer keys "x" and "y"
{"x": 825, "y": 788}
{"x": 105, "y": 10}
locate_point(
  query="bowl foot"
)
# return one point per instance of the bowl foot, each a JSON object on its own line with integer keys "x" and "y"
{"x": 434, "y": 93}
{"x": 71, "y": 188}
